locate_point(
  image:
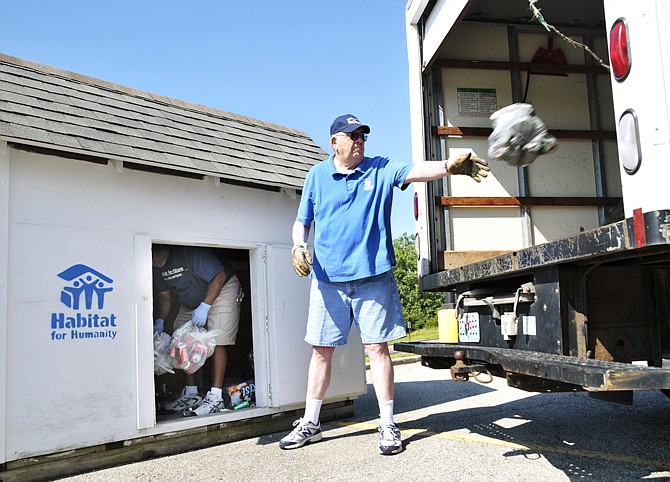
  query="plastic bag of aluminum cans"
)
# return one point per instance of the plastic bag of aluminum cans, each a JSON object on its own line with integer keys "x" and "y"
{"x": 163, "y": 362}
{"x": 191, "y": 346}
{"x": 519, "y": 135}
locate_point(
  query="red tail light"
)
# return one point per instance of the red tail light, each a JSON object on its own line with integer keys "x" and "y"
{"x": 619, "y": 50}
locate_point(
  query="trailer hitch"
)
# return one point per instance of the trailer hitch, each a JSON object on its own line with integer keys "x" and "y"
{"x": 460, "y": 372}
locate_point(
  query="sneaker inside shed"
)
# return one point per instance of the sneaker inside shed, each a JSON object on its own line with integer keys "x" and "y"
{"x": 184, "y": 402}
{"x": 209, "y": 405}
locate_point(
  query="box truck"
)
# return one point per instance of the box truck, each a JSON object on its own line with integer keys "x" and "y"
{"x": 557, "y": 273}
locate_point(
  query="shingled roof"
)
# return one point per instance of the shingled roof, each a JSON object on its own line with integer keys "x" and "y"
{"x": 50, "y": 108}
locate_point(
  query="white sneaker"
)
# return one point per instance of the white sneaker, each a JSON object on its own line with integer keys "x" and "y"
{"x": 209, "y": 405}
{"x": 304, "y": 431}
{"x": 389, "y": 439}
{"x": 184, "y": 402}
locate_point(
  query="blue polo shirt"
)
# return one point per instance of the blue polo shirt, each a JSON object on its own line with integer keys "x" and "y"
{"x": 352, "y": 217}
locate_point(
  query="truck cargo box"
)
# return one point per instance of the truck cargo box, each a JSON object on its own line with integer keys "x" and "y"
{"x": 564, "y": 262}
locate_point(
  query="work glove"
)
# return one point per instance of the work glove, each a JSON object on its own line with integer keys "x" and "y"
{"x": 469, "y": 165}
{"x": 158, "y": 325}
{"x": 302, "y": 260}
{"x": 199, "y": 315}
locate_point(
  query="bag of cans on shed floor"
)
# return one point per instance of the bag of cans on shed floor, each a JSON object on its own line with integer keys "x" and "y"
{"x": 163, "y": 362}
{"x": 519, "y": 135}
{"x": 191, "y": 346}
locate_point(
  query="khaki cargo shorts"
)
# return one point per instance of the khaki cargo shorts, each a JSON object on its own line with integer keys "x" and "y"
{"x": 224, "y": 314}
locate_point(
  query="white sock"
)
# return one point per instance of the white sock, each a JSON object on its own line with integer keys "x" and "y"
{"x": 312, "y": 410}
{"x": 386, "y": 412}
{"x": 190, "y": 390}
{"x": 217, "y": 393}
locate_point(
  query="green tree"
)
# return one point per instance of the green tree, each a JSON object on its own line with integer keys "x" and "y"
{"x": 419, "y": 308}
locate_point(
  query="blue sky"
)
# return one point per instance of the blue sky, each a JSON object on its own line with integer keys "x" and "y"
{"x": 299, "y": 63}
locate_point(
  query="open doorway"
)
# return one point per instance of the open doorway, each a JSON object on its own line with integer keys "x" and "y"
{"x": 238, "y": 389}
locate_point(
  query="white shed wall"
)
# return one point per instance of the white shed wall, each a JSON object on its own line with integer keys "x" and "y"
{"x": 72, "y": 393}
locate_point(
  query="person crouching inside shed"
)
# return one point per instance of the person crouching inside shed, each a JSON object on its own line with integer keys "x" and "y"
{"x": 209, "y": 294}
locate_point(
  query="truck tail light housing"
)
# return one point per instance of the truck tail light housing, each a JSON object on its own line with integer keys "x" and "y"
{"x": 630, "y": 153}
{"x": 417, "y": 246}
{"x": 619, "y": 50}
{"x": 416, "y": 206}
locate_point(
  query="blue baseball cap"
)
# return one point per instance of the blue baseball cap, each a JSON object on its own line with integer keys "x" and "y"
{"x": 347, "y": 123}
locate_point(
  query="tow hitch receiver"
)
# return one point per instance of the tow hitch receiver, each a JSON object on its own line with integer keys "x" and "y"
{"x": 460, "y": 372}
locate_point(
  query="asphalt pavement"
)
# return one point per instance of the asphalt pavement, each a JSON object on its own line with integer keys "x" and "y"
{"x": 451, "y": 432}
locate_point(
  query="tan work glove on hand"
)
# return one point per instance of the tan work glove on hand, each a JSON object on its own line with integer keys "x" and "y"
{"x": 302, "y": 260}
{"x": 469, "y": 165}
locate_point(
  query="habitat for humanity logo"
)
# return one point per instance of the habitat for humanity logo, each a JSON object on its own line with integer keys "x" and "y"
{"x": 84, "y": 295}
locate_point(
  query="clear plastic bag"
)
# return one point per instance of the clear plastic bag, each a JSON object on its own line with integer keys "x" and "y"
{"x": 191, "y": 346}
{"x": 163, "y": 362}
{"x": 519, "y": 135}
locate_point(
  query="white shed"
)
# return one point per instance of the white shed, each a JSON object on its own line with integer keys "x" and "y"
{"x": 91, "y": 174}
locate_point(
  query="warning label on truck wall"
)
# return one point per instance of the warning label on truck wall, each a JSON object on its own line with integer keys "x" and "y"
{"x": 476, "y": 102}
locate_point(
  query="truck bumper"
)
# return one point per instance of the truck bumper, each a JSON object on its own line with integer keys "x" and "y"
{"x": 530, "y": 370}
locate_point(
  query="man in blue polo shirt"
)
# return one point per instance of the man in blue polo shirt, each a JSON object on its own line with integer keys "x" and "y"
{"x": 348, "y": 199}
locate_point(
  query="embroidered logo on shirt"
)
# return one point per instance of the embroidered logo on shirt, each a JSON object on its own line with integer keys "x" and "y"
{"x": 367, "y": 185}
